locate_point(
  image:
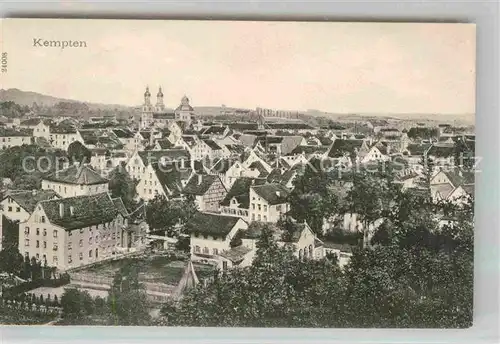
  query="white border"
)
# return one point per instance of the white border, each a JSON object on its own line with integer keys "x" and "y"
{"x": 483, "y": 13}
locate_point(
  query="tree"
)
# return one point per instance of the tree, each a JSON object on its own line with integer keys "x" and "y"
{"x": 11, "y": 261}
{"x": 169, "y": 216}
{"x": 77, "y": 152}
{"x": 127, "y": 299}
{"x": 76, "y": 304}
{"x": 123, "y": 186}
{"x": 312, "y": 198}
{"x": 369, "y": 198}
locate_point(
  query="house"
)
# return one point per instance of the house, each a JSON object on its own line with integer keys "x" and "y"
{"x": 139, "y": 160}
{"x": 216, "y": 131}
{"x": 76, "y": 180}
{"x": 207, "y": 190}
{"x": 342, "y": 251}
{"x": 19, "y": 205}
{"x": 13, "y": 137}
{"x": 39, "y": 126}
{"x": 61, "y": 136}
{"x": 452, "y": 185}
{"x": 176, "y": 129}
{"x": 212, "y": 234}
{"x": 163, "y": 144}
{"x": 291, "y": 127}
{"x": 348, "y": 152}
{"x": 131, "y": 141}
{"x": 442, "y": 154}
{"x": 73, "y": 231}
{"x": 237, "y": 200}
{"x": 268, "y": 202}
{"x": 166, "y": 180}
{"x": 301, "y": 240}
{"x": 280, "y": 145}
{"x": 407, "y": 178}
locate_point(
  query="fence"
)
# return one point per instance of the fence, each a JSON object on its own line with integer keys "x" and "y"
{"x": 27, "y": 312}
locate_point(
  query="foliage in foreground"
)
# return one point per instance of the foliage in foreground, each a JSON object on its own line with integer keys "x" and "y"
{"x": 420, "y": 275}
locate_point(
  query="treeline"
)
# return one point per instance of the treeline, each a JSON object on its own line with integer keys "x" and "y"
{"x": 12, "y": 110}
{"x": 423, "y": 133}
{"x": 26, "y": 165}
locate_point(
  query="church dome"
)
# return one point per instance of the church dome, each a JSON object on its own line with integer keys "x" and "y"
{"x": 160, "y": 93}
{"x": 147, "y": 94}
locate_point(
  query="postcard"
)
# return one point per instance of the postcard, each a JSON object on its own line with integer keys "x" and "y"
{"x": 237, "y": 173}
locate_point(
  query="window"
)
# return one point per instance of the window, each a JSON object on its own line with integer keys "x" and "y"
{"x": 26, "y": 230}
{"x": 90, "y": 253}
{"x": 54, "y": 260}
{"x": 44, "y": 232}
{"x": 26, "y": 242}
{"x": 18, "y": 209}
{"x": 253, "y": 206}
{"x": 54, "y": 247}
{"x": 38, "y": 231}
{"x": 265, "y": 218}
{"x": 70, "y": 233}
{"x": 90, "y": 240}
{"x": 54, "y": 233}
{"x": 81, "y": 242}
{"x": 69, "y": 246}
{"x": 81, "y": 256}
{"x": 215, "y": 251}
{"x": 259, "y": 207}
{"x": 259, "y": 218}
{"x": 81, "y": 230}
{"x": 96, "y": 239}
{"x": 224, "y": 265}
{"x": 197, "y": 249}
{"x": 37, "y": 256}
{"x": 9, "y": 209}
{"x": 205, "y": 250}
{"x": 37, "y": 244}
{"x": 44, "y": 244}
{"x": 265, "y": 207}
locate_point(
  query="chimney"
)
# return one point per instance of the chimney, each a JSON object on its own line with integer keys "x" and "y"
{"x": 200, "y": 179}
{"x": 61, "y": 210}
{"x": 71, "y": 210}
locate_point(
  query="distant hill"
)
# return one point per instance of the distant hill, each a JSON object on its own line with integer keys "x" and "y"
{"x": 28, "y": 98}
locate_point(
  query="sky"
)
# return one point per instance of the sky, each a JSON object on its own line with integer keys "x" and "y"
{"x": 335, "y": 67}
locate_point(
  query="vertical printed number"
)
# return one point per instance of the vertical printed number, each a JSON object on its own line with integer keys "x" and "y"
{"x": 4, "y": 62}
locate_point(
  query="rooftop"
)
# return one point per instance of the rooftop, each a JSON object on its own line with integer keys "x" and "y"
{"x": 77, "y": 174}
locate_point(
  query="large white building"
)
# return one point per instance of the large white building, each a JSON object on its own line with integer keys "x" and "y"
{"x": 74, "y": 231}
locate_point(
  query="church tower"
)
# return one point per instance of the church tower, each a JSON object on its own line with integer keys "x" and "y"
{"x": 160, "y": 106}
{"x": 147, "y": 110}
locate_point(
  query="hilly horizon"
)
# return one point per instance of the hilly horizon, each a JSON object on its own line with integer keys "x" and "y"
{"x": 27, "y": 98}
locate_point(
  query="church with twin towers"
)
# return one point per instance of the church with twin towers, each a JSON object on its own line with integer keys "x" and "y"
{"x": 158, "y": 116}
